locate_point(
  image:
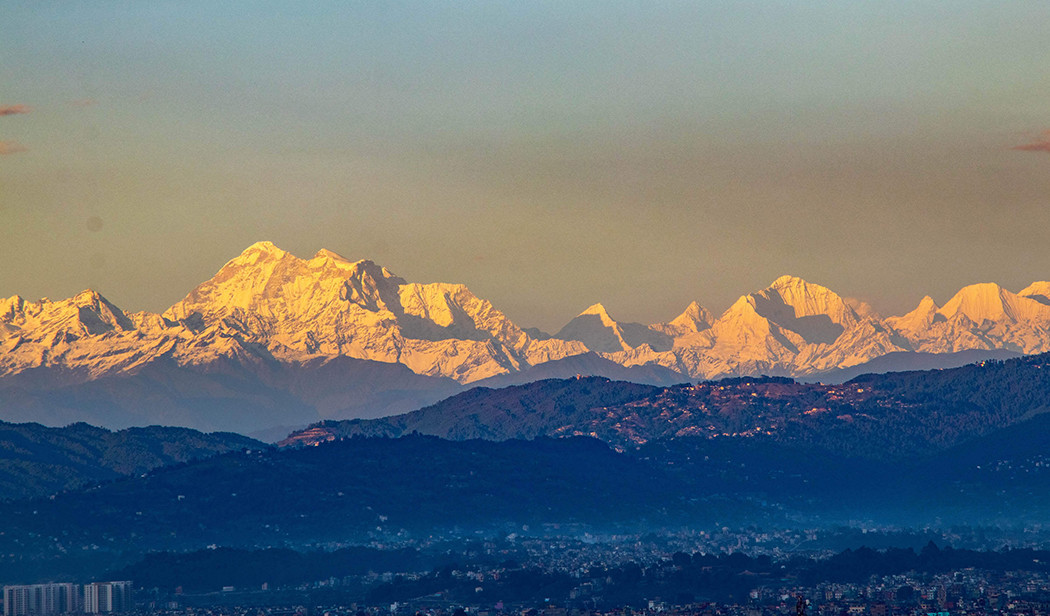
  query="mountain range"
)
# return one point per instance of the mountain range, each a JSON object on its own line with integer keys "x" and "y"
{"x": 274, "y": 341}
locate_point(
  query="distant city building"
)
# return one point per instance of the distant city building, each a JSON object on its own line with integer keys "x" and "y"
{"x": 67, "y": 598}
{"x": 41, "y": 599}
{"x": 106, "y": 597}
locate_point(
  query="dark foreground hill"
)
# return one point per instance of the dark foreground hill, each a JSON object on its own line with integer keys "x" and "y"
{"x": 37, "y": 461}
{"x": 361, "y": 490}
{"x": 894, "y": 416}
{"x": 928, "y": 448}
{"x": 356, "y": 490}
{"x": 525, "y": 411}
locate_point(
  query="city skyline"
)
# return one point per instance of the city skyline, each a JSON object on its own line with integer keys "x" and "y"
{"x": 548, "y": 157}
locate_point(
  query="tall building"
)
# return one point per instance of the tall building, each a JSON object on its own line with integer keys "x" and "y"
{"x": 65, "y": 598}
{"x": 106, "y": 597}
{"x": 16, "y": 600}
{"x": 95, "y": 598}
{"x": 41, "y": 599}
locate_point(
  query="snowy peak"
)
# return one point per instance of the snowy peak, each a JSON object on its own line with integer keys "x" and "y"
{"x": 919, "y": 319}
{"x": 990, "y": 302}
{"x": 85, "y": 314}
{"x": 741, "y": 321}
{"x": 257, "y": 252}
{"x": 268, "y": 305}
{"x": 787, "y": 281}
{"x": 696, "y": 313}
{"x": 596, "y": 329}
{"x": 324, "y": 255}
{"x": 694, "y": 319}
{"x": 97, "y": 314}
{"x": 330, "y": 306}
{"x": 807, "y": 299}
{"x": 978, "y": 302}
{"x": 979, "y": 317}
{"x": 267, "y": 282}
{"x": 788, "y": 328}
{"x": 368, "y": 285}
{"x": 239, "y": 284}
{"x": 1039, "y": 291}
{"x": 599, "y": 311}
{"x": 809, "y": 310}
{"x": 454, "y": 311}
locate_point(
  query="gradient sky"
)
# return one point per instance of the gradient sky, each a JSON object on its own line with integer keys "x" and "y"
{"x": 547, "y": 154}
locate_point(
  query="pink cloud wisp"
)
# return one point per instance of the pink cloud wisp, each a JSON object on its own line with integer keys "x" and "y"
{"x": 1040, "y": 145}
{"x": 14, "y": 109}
{"x": 11, "y": 147}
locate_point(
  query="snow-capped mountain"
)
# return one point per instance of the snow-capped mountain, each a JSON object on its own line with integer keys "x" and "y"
{"x": 86, "y": 335}
{"x": 329, "y": 306}
{"x": 980, "y": 316}
{"x": 267, "y": 309}
{"x": 1039, "y": 291}
{"x": 269, "y": 304}
{"x": 797, "y": 328}
{"x": 601, "y": 333}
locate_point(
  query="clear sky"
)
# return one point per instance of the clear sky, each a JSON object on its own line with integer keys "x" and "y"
{"x": 547, "y": 154}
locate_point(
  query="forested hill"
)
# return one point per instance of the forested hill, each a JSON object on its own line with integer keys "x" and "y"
{"x": 534, "y": 409}
{"x": 888, "y": 416}
{"x": 36, "y": 460}
{"x": 364, "y": 490}
{"x": 352, "y": 489}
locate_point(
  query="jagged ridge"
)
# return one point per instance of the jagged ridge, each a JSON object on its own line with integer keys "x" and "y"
{"x": 267, "y": 306}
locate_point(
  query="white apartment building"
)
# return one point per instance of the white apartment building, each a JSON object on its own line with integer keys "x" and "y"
{"x": 65, "y": 598}
{"x": 41, "y": 599}
{"x": 106, "y": 597}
